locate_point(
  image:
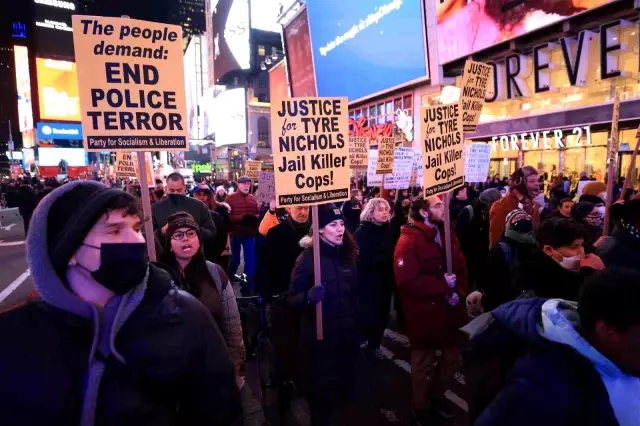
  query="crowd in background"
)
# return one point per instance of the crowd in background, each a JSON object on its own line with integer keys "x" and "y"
{"x": 523, "y": 253}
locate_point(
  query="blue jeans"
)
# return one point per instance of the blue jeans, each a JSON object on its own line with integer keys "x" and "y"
{"x": 248, "y": 246}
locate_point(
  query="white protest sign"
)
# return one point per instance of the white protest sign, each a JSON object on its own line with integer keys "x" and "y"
{"x": 373, "y": 179}
{"x": 476, "y": 161}
{"x": 266, "y": 187}
{"x": 402, "y": 169}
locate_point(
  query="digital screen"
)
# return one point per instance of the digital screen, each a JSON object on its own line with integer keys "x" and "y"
{"x": 466, "y": 27}
{"x": 232, "y": 50}
{"x": 58, "y": 90}
{"x": 264, "y": 15}
{"x": 300, "y": 57}
{"x": 64, "y": 131}
{"x": 367, "y": 46}
{"x": 228, "y": 115}
{"x": 52, "y": 25}
{"x": 23, "y": 85}
{"x": 52, "y": 156}
{"x": 191, "y": 89}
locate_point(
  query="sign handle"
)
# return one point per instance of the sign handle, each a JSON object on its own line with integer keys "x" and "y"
{"x": 317, "y": 275}
{"x": 447, "y": 232}
{"x": 632, "y": 165}
{"x": 146, "y": 207}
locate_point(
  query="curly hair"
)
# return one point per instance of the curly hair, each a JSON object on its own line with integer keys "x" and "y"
{"x": 367, "y": 213}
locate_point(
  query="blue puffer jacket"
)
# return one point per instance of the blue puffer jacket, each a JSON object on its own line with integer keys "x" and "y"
{"x": 556, "y": 383}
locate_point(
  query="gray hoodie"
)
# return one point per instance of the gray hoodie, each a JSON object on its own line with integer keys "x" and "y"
{"x": 107, "y": 321}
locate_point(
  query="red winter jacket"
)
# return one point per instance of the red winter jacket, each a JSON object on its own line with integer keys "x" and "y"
{"x": 244, "y": 214}
{"x": 419, "y": 267}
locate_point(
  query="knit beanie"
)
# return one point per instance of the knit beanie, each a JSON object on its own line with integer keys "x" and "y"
{"x": 581, "y": 210}
{"x": 180, "y": 220}
{"x": 72, "y": 216}
{"x": 489, "y": 196}
{"x": 327, "y": 213}
{"x": 515, "y": 216}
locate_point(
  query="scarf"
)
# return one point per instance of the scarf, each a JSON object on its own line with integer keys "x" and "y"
{"x": 519, "y": 238}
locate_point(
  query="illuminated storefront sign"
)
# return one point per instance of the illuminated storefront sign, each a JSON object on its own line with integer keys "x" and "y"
{"x": 68, "y": 131}
{"x": 546, "y": 139}
{"x": 23, "y": 86}
{"x": 58, "y": 90}
{"x": 511, "y": 78}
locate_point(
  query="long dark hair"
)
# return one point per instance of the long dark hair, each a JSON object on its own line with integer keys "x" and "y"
{"x": 195, "y": 275}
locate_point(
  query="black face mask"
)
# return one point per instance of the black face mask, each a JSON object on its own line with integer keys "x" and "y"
{"x": 175, "y": 197}
{"x": 122, "y": 266}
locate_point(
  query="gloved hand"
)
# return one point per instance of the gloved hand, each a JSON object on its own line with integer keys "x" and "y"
{"x": 450, "y": 279}
{"x": 315, "y": 294}
{"x": 474, "y": 303}
{"x": 453, "y": 299}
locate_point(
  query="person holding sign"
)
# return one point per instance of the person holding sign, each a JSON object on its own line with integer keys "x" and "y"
{"x": 433, "y": 303}
{"x": 328, "y": 364}
{"x": 112, "y": 341}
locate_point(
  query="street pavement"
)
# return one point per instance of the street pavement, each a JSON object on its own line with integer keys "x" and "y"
{"x": 15, "y": 282}
{"x": 383, "y": 385}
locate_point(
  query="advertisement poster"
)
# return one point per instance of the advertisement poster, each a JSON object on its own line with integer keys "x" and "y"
{"x": 443, "y": 146}
{"x": 386, "y": 148}
{"x": 58, "y": 90}
{"x": 466, "y": 27}
{"x": 125, "y": 164}
{"x": 310, "y": 150}
{"x": 23, "y": 88}
{"x": 474, "y": 88}
{"x": 402, "y": 169}
{"x": 417, "y": 169}
{"x": 266, "y": 187}
{"x": 252, "y": 169}
{"x": 381, "y": 41}
{"x": 278, "y": 86}
{"x": 127, "y": 74}
{"x": 477, "y": 157}
{"x": 299, "y": 57}
{"x": 373, "y": 179}
{"x": 358, "y": 150}
{"x": 232, "y": 51}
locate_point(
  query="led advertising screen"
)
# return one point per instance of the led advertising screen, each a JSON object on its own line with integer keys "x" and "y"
{"x": 264, "y": 15}
{"x": 300, "y": 57}
{"x": 232, "y": 50}
{"x": 364, "y": 47}
{"x": 58, "y": 90}
{"x": 23, "y": 85}
{"x": 466, "y": 27}
{"x": 229, "y": 112}
{"x": 191, "y": 88}
{"x": 52, "y": 156}
{"x": 52, "y": 24}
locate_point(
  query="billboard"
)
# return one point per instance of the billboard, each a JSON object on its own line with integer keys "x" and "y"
{"x": 191, "y": 88}
{"x": 371, "y": 45}
{"x": 232, "y": 51}
{"x": 464, "y": 28}
{"x": 58, "y": 90}
{"x": 52, "y": 23}
{"x": 264, "y": 15}
{"x": 278, "y": 86}
{"x": 23, "y": 86}
{"x": 300, "y": 56}
{"x": 49, "y": 156}
{"x": 64, "y": 131}
{"x": 229, "y": 117}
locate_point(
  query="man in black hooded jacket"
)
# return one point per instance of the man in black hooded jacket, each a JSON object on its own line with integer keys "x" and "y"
{"x": 112, "y": 342}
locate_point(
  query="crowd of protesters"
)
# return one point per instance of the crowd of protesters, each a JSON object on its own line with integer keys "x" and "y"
{"x": 538, "y": 309}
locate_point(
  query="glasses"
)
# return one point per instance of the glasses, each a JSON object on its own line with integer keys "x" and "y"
{"x": 179, "y": 235}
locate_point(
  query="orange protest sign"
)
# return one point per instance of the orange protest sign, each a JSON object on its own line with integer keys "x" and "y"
{"x": 358, "y": 152}
{"x": 252, "y": 169}
{"x": 386, "y": 149}
{"x": 127, "y": 73}
{"x": 310, "y": 150}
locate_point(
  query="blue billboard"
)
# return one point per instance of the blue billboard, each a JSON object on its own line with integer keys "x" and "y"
{"x": 68, "y": 131}
{"x": 361, "y": 47}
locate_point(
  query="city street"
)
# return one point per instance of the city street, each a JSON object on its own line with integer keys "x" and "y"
{"x": 15, "y": 282}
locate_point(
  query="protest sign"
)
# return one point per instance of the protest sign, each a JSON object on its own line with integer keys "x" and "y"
{"x": 386, "y": 148}
{"x": 442, "y": 149}
{"x": 402, "y": 169}
{"x": 416, "y": 175}
{"x": 474, "y": 88}
{"x": 373, "y": 179}
{"x": 266, "y": 187}
{"x": 252, "y": 169}
{"x": 310, "y": 150}
{"x": 125, "y": 165}
{"x": 128, "y": 72}
{"x": 476, "y": 161}
{"x": 358, "y": 148}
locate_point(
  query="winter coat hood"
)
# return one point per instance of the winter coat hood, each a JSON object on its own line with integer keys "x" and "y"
{"x": 560, "y": 324}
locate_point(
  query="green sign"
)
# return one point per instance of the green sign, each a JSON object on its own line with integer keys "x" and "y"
{"x": 201, "y": 167}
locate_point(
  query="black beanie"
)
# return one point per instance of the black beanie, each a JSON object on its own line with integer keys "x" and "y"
{"x": 177, "y": 221}
{"x": 72, "y": 216}
{"x": 581, "y": 210}
{"x": 327, "y": 213}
